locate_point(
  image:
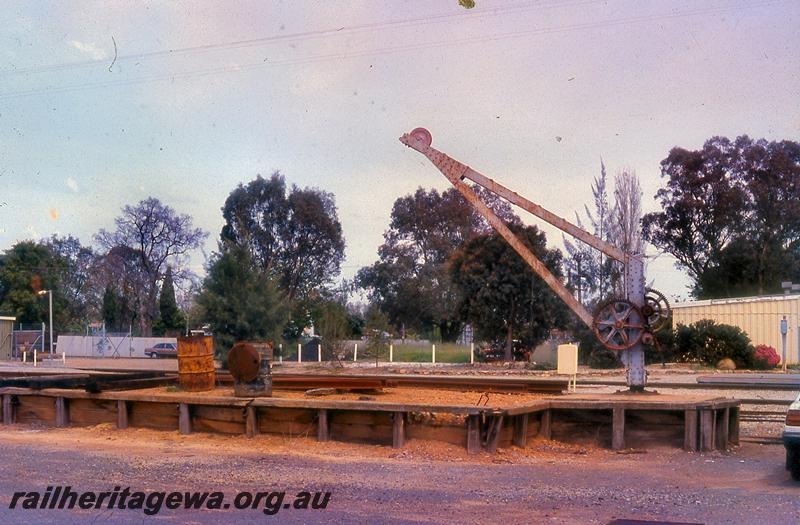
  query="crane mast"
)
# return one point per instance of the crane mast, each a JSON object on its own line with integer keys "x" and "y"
{"x": 621, "y": 324}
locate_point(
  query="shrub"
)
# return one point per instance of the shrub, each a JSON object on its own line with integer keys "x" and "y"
{"x": 766, "y": 357}
{"x": 604, "y": 358}
{"x": 708, "y": 342}
{"x": 664, "y": 352}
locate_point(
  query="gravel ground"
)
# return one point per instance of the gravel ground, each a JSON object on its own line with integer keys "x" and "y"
{"x": 546, "y": 483}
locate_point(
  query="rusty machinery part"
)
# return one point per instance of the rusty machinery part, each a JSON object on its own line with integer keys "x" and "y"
{"x": 244, "y": 362}
{"x": 656, "y": 309}
{"x": 421, "y": 136}
{"x": 619, "y": 324}
{"x": 649, "y": 339}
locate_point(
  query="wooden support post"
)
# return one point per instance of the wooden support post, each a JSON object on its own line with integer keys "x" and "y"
{"x": 545, "y": 427}
{"x": 184, "y": 419}
{"x": 398, "y": 429}
{"x": 618, "y": 428}
{"x": 706, "y": 430}
{"x": 733, "y": 426}
{"x": 323, "y": 427}
{"x": 122, "y": 413}
{"x": 9, "y": 410}
{"x": 493, "y": 435}
{"x": 521, "y": 430}
{"x": 473, "y": 434}
{"x": 62, "y": 412}
{"x": 690, "y": 430}
{"x": 723, "y": 424}
{"x": 250, "y": 421}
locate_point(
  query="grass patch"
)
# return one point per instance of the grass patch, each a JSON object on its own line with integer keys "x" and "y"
{"x": 445, "y": 353}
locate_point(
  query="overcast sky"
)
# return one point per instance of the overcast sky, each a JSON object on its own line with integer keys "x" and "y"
{"x": 106, "y": 103}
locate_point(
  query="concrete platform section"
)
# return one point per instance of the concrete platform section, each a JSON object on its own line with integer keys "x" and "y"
{"x": 617, "y": 421}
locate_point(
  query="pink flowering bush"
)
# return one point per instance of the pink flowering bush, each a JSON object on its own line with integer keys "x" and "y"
{"x": 766, "y": 357}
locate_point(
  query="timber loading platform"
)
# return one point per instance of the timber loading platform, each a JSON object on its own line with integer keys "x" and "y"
{"x": 478, "y": 413}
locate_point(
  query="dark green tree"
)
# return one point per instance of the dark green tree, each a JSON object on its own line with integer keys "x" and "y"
{"x": 731, "y": 215}
{"x": 410, "y": 282}
{"x": 170, "y": 320}
{"x": 26, "y": 269}
{"x": 58, "y": 264}
{"x": 240, "y": 302}
{"x": 499, "y": 293}
{"x": 295, "y": 237}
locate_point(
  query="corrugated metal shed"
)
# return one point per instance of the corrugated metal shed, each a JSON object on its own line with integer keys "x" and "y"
{"x": 6, "y": 328}
{"x": 760, "y": 317}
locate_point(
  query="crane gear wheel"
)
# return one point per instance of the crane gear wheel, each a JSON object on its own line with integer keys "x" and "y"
{"x": 619, "y": 324}
{"x": 656, "y": 309}
{"x": 422, "y": 136}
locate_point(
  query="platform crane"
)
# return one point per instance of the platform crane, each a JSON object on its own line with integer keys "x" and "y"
{"x": 622, "y": 324}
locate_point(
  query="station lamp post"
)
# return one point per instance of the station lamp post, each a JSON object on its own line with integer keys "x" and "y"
{"x": 50, "y": 303}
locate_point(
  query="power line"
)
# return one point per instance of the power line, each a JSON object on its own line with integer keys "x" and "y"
{"x": 293, "y": 37}
{"x": 386, "y": 50}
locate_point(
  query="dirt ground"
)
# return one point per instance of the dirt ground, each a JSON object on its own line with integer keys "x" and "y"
{"x": 425, "y": 482}
{"x": 547, "y": 482}
{"x": 421, "y": 396}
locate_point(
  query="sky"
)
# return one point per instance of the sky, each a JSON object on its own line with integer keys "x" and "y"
{"x": 105, "y": 103}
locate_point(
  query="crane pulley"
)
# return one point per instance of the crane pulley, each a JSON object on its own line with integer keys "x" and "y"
{"x": 620, "y": 324}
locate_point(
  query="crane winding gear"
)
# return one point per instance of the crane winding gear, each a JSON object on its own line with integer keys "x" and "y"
{"x": 621, "y": 324}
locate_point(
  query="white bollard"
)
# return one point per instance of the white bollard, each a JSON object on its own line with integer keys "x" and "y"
{"x": 299, "y": 353}
{"x": 355, "y": 353}
{"x": 433, "y": 353}
{"x": 472, "y": 353}
{"x": 280, "y": 354}
{"x": 63, "y": 358}
{"x": 319, "y": 353}
{"x": 25, "y": 356}
{"x": 391, "y": 353}
{"x": 34, "y": 357}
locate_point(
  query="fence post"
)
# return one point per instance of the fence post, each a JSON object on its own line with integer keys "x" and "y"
{"x": 355, "y": 353}
{"x": 299, "y": 353}
{"x": 433, "y": 353}
{"x": 319, "y": 353}
{"x": 472, "y": 353}
{"x": 391, "y": 353}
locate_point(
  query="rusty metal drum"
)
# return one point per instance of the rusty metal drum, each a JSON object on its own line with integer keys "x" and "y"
{"x": 196, "y": 371}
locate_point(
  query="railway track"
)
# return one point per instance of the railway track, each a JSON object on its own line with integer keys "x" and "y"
{"x": 362, "y": 382}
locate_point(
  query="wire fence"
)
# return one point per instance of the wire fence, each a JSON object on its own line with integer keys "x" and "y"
{"x": 396, "y": 351}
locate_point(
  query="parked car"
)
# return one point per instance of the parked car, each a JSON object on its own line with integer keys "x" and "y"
{"x": 162, "y": 350}
{"x": 791, "y": 439}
